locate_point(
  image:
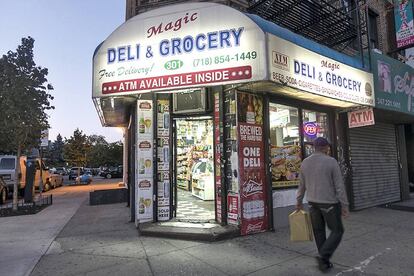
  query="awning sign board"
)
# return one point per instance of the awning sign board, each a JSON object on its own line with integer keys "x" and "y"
{"x": 180, "y": 46}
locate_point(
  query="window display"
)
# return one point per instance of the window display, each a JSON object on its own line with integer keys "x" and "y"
{"x": 287, "y": 139}
{"x": 285, "y": 149}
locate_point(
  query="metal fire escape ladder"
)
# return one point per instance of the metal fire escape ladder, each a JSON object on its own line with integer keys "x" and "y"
{"x": 338, "y": 24}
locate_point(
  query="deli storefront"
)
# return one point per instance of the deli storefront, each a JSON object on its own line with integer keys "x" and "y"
{"x": 221, "y": 107}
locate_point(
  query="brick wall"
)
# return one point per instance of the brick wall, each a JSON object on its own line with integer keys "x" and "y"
{"x": 385, "y": 24}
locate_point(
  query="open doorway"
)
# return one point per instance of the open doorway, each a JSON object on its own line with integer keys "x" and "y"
{"x": 194, "y": 169}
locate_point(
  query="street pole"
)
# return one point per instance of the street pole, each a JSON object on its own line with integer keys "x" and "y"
{"x": 41, "y": 173}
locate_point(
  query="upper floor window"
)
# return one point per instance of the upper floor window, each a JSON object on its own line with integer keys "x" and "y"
{"x": 373, "y": 29}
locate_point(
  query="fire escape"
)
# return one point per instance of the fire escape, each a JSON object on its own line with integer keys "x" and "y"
{"x": 338, "y": 24}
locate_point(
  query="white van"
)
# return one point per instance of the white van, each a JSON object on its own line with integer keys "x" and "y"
{"x": 8, "y": 172}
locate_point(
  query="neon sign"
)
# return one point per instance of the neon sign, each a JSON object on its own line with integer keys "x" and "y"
{"x": 310, "y": 129}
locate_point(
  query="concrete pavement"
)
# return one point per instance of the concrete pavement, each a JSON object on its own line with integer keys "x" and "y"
{"x": 25, "y": 239}
{"x": 98, "y": 240}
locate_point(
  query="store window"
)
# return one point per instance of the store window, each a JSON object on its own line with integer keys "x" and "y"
{"x": 373, "y": 29}
{"x": 285, "y": 145}
{"x": 287, "y": 137}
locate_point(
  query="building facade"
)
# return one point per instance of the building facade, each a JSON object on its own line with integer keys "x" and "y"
{"x": 221, "y": 106}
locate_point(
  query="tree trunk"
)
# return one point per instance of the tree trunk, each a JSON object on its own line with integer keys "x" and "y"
{"x": 17, "y": 177}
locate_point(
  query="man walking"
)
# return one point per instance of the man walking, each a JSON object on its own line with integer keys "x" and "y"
{"x": 321, "y": 178}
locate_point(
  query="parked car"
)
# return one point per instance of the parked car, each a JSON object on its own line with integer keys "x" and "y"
{"x": 75, "y": 172}
{"x": 85, "y": 178}
{"x": 3, "y": 191}
{"x": 8, "y": 172}
{"x": 61, "y": 170}
{"x": 113, "y": 172}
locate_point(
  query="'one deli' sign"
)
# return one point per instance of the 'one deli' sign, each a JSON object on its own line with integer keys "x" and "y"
{"x": 305, "y": 70}
{"x": 194, "y": 44}
{"x": 394, "y": 84}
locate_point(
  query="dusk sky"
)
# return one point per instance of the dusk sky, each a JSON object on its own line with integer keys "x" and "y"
{"x": 66, "y": 34}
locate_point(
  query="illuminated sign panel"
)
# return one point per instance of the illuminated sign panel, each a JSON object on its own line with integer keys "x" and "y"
{"x": 180, "y": 46}
{"x": 297, "y": 67}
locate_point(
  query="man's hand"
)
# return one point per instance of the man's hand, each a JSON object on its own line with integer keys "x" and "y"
{"x": 345, "y": 212}
{"x": 299, "y": 206}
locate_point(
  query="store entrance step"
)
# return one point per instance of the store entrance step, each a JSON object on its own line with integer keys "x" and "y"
{"x": 189, "y": 231}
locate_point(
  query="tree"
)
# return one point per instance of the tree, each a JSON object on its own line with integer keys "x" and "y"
{"x": 97, "y": 155}
{"x": 56, "y": 152}
{"x": 76, "y": 148}
{"x": 115, "y": 153}
{"x": 104, "y": 153}
{"x": 24, "y": 98}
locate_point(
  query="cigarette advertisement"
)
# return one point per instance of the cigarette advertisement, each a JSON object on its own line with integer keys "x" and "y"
{"x": 218, "y": 148}
{"x": 144, "y": 185}
{"x": 163, "y": 160}
{"x": 253, "y": 199}
{"x": 230, "y": 151}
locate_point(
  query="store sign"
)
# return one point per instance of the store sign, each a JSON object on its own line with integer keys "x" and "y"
{"x": 403, "y": 17}
{"x": 144, "y": 172}
{"x": 360, "y": 118}
{"x": 394, "y": 84}
{"x": 300, "y": 68}
{"x": 180, "y": 46}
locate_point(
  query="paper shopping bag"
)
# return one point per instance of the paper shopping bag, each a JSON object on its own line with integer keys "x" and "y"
{"x": 300, "y": 226}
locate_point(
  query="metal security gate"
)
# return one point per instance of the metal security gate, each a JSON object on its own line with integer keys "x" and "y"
{"x": 374, "y": 161}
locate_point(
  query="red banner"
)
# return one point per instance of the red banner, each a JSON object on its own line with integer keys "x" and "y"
{"x": 186, "y": 79}
{"x": 252, "y": 179}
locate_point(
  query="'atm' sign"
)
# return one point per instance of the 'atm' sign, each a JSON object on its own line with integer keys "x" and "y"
{"x": 360, "y": 118}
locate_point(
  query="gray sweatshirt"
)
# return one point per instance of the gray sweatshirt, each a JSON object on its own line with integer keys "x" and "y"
{"x": 321, "y": 177}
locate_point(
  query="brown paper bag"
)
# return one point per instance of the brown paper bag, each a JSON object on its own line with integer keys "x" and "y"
{"x": 300, "y": 226}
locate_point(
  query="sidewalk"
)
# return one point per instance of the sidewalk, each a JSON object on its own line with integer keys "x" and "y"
{"x": 98, "y": 240}
{"x": 25, "y": 239}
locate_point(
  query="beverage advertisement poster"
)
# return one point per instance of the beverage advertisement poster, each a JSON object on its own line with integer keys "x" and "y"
{"x": 144, "y": 183}
{"x": 253, "y": 194}
{"x": 218, "y": 148}
{"x": 144, "y": 199}
{"x": 163, "y": 160}
{"x": 403, "y": 17}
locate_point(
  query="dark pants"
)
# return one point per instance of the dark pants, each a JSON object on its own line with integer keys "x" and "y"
{"x": 330, "y": 215}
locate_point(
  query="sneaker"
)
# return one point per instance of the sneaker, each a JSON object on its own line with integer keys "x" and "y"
{"x": 324, "y": 265}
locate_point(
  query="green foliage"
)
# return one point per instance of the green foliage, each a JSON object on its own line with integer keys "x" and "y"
{"x": 76, "y": 149}
{"x": 104, "y": 153}
{"x": 24, "y": 98}
{"x": 56, "y": 152}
